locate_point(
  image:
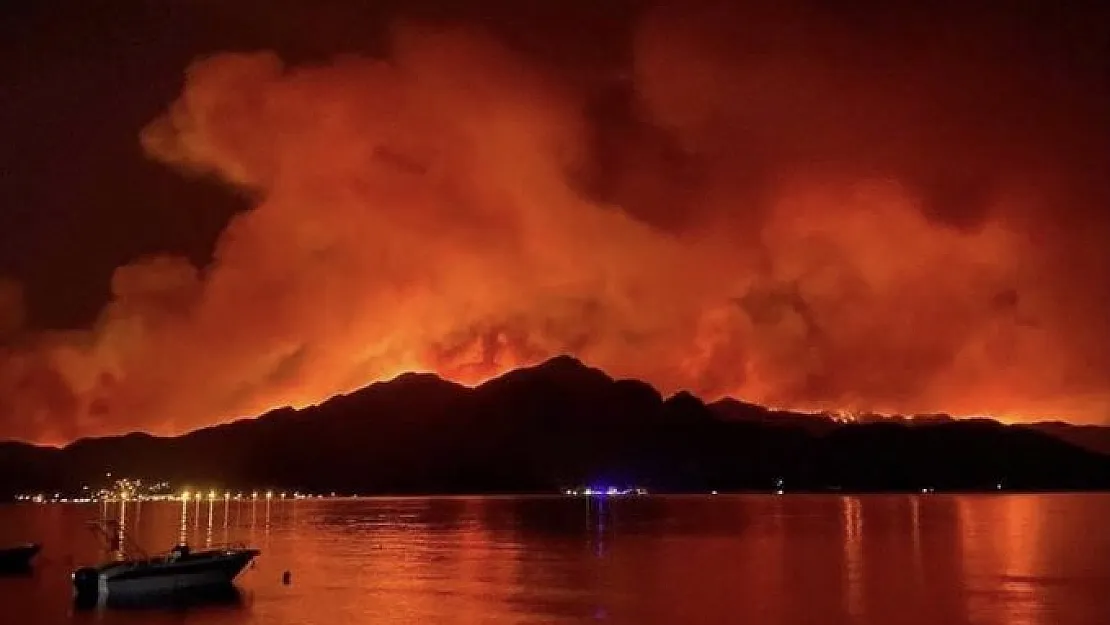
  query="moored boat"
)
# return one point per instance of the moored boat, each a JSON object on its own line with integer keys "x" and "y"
{"x": 179, "y": 570}
{"x": 18, "y": 558}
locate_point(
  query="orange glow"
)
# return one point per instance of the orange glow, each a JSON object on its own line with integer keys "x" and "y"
{"x": 425, "y": 213}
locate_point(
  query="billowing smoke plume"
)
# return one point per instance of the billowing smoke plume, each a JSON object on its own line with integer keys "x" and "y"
{"x": 778, "y": 208}
{"x": 11, "y": 307}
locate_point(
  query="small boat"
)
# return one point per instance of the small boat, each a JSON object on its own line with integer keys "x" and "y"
{"x": 18, "y": 558}
{"x": 179, "y": 570}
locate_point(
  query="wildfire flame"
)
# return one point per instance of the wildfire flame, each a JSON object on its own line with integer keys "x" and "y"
{"x": 449, "y": 208}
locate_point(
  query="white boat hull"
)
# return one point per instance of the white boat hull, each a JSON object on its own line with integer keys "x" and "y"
{"x": 150, "y": 578}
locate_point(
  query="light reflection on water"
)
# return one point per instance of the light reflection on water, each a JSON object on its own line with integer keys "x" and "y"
{"x": 890, "y": 560}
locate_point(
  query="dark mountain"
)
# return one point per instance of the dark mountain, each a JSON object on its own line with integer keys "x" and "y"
{"x": 734, "y": 410}
{"x": 563, "y": 424}
{"x": 1092, "y": 437}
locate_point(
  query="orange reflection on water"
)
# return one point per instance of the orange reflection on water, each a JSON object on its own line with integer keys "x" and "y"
{"x": 775, "y": 560}
{"x": 853, "y": 555}
{"x": 1006, "y": 541}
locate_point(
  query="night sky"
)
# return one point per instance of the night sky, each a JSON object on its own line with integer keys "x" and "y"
{"x": 80, "y": 79}
{"x": 894, "y": 206}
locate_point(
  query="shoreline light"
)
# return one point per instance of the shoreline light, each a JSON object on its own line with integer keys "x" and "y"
{"x": 128, "y": 490}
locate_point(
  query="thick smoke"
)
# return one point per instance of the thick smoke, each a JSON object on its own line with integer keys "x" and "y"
{"x": 771, "y": 206}
{"x": 12, "y": 311}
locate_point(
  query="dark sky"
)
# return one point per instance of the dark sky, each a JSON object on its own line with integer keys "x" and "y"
{"x": 699, "y": 119}
{"x": 79, "y": 80}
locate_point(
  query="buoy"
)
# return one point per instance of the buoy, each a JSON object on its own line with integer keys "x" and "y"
{"x": 287, "y": 578}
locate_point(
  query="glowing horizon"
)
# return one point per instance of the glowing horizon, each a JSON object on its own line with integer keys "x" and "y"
{"x": 794, "y": 229}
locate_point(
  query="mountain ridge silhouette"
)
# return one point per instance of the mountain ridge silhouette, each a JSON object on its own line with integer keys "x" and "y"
{"x": 560, "y": 424}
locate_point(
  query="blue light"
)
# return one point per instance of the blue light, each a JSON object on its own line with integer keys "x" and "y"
{"x": 604, "y": 491}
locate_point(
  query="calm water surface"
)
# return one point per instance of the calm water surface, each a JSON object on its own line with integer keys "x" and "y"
{"x": 929, "y": 560}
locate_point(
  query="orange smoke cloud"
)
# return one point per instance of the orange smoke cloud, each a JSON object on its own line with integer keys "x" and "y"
{"x": 11, "y": 307}
{"x": 758, "y": 226}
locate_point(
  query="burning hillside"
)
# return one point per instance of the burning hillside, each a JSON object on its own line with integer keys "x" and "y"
{"x": 808, "y": 217}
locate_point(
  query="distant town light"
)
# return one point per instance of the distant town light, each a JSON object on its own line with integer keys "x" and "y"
{"x": 604, "y": 491}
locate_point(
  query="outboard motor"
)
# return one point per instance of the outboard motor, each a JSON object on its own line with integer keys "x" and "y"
{"x": 86, "y": 586}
